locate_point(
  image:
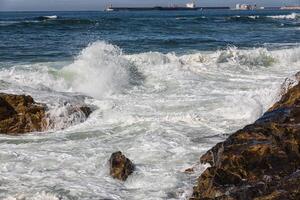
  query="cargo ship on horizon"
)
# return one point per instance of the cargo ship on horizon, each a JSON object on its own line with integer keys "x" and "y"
{"x": 188, "y": 7}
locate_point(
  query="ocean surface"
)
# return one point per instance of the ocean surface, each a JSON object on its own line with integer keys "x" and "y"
{"x": 165, "y": 87}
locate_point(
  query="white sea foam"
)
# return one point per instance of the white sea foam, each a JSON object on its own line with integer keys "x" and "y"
{"x": 98, "y": 70}
{"x": 256, "y": 57}
{"x": 254, "y": 17}
{"x": 183, "y": 106}
{"x": 289, "y": 16}
{"x": 38, "y": 196}
{"x": 50, "y": 17}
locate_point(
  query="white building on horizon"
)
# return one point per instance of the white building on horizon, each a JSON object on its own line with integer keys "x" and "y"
{"x": 191, "y": 5}
{"x": 245, "y": 7}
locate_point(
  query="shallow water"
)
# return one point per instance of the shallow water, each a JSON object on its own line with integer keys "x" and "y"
{"x": 165, "y": 87}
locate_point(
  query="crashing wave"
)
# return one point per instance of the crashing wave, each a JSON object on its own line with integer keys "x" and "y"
{"x": 99, "y": 69}
{"x": 102, "y": 69}
{"x": 255, "y": 57}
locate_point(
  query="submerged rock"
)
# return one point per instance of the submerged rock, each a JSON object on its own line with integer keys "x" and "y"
{"x": 120, "y": 166}
{"x": 260, "y": 161}
{"x": 20, "y": 114}
{"x": 84, "y": 109}
{"x": 66, "y": 115}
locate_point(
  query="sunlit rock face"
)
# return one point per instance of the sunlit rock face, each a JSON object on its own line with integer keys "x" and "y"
{"x": 20, "y": 114}
{"x": 120, "y": 166}
{"x": 260, "y": 161}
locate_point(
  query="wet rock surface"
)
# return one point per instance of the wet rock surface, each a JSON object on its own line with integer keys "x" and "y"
{"x": 66, "y": 115}
{"x": 260, "y": 161}
{"x": 120, "y": 166}
{"x": 20, "y": 114}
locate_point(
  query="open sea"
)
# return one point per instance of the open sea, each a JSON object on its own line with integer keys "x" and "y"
{"x": 165, "y": 87}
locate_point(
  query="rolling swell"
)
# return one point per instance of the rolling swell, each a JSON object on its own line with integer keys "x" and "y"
{"x": 60, "y": 20}
{"x": 46, "y": 21}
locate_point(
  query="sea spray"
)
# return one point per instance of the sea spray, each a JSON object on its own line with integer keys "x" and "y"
{"x": 100, "y": 69}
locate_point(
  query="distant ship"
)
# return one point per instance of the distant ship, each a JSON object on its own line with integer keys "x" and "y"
{"x": 188, "y": 7}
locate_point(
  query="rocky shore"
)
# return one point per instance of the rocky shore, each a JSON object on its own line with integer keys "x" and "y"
{"x": 20, "y": 114}
{"x": 260, "y": 161}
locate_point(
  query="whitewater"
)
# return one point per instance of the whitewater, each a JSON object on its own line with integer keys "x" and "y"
{"x": 162, "y": 108}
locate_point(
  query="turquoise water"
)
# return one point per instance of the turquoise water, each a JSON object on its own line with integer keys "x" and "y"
{"x": 165, "y": 87}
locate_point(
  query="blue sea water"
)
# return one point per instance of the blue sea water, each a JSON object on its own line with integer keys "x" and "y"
{"x": 27, "y": 36}
{"x": 165, "y": 86}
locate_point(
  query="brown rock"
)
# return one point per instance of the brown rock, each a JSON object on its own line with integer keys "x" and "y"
{"x": 20, "y": 114}
{"x": 261, "y": 161}
{"x": 120, "y": 166}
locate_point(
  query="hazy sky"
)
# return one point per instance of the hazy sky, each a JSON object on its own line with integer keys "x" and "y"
{"x": 100, "y": 4}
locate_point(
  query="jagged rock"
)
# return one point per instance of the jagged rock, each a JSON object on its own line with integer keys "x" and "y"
{"x": 120, "y": 166}
{"x": 20, "y": 114}
{"x": 260, "y": 161}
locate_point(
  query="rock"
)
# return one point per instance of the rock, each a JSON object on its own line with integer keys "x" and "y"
{"x": 86, "y": 110}
{"x": 20, "y": 114}
{"x": 120, "y": 166}
{"x": 81, "y": 109}
{"x": 260, "y": 161}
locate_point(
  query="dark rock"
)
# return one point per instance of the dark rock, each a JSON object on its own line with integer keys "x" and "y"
{"x": 261, "y": 161}
{"x": 86, "y": 110}
{"x": 120, "y": 166}
{"x": 20, "y": 114}
{"x": 80, "y": 109}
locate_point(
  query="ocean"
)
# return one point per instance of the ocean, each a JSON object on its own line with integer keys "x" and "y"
{"x": 165, "y": 87}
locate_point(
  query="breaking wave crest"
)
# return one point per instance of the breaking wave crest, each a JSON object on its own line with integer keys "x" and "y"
{"x": 249, "y": 18}
{"x": 257, "y": 57}
{"x": 102, "y": 69}
{"x": 290, "y": 16}
{"x": 99, "y": 69}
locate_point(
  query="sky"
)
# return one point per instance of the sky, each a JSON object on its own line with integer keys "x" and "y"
{"x": 66, "y": 5}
